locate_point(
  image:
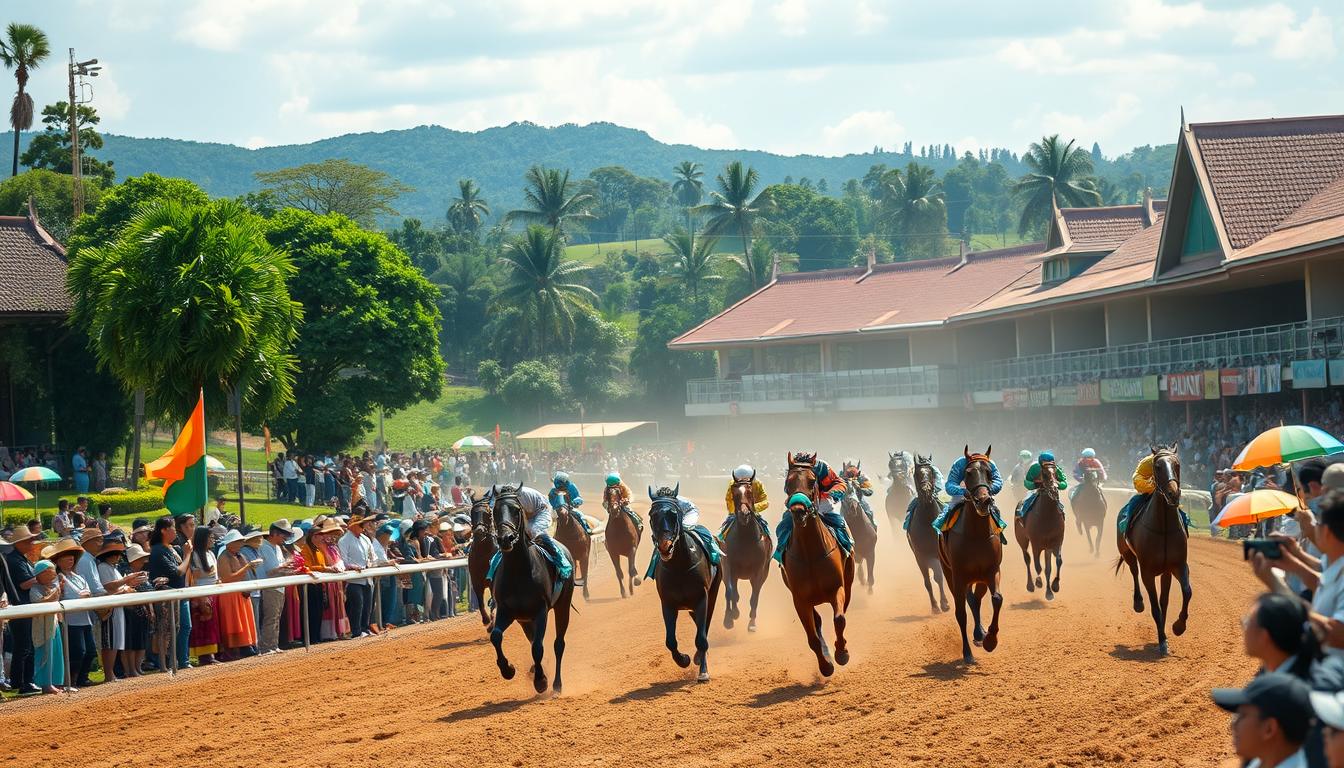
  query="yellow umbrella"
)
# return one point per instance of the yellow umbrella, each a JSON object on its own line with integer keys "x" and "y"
{"x": 1251, "y": 508}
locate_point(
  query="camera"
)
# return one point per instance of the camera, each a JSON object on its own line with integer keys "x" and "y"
{"x": 1267, "y": 547}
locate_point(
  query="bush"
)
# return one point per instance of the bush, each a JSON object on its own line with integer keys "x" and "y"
{"x": 16, "y": 515}
{"x": 142, "y": 502}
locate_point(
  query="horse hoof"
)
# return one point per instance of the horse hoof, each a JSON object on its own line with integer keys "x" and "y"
{"x": 1030, "y": 587}
{"x": 540, "y": 684}
{"x": 682, "y": 660}
{"x": 968, "y": 659}
{"x": 636, "y": 582}
{"x": 1162, "y": 649}
{"x": 842, "y": 657}
{"x": 1178, "y": 627}
{"x": 727, "y": 622}
{"x": 703, "y": 677}
{"x": 826, "y": 668}
{"x": 991, "y": 642}
{"x": 1039, "y": 582}
{"x": 945, "y": 606}
{"x": 1049, "y": 595}
{"x": 556, "y": 689}
{"x": 751, "y": 627}
{"x": 1138, "y": 606}
{"x": 1054, "y": 585}
{"x": 978, "y": 635}
{"x": 698, "y": 658}
{"x": 508, "y": 671}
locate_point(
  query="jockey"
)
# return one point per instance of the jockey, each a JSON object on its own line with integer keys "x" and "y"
{"x": 565, "y": 493}
{"x": 855, "y": 479}
{"x": 538, "y": 514}
{"x": 1019, "y": 473}
{"x": 830, "y": 491}
{"x": 1033, "y": 482}
{"x": 956, "y": 476}
{"x": 914, "y": 502}
{"x": 1087, "y": 461}
{"x": 901, "y": 465}
{"x": 690, "y": 521}
{"x": 623, "y": 499}
{"x": 742, "y": 474}
{"x": 1143, "y": 491}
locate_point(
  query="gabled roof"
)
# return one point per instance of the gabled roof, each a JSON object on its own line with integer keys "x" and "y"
{"x": 838, "y": 302}
{"x": 32, "y": 269}
{"x": 1103, "y": 228}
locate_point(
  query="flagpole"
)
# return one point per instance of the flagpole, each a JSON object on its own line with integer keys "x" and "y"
{"x": 236, "y": 405}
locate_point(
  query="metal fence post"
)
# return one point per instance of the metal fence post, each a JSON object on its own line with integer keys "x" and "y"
{"x": 378, "y": 604}
{"x": 65, "y": 649}
{"x": 172, "y": 642}
{"x": 303, "y": 605}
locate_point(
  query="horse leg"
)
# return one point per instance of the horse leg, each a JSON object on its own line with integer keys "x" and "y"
{"x": 561, "y": 627}
{"x": 974, "y": 596}
{"x": 1059, "y": 566}
{"x": 812, "y": 626}
{"x": 942, "y": 596}
{"x": 1133, "y": 562}
{"x": 587, "y": 553}
{"x": 1036, "y": 555}
{"x": 1026, "y": 559}
{"x": 539, "y": 681}
{"x": 872, "y": 557}
{"x": 1155, "y": 607}
{"x": 996, "y": 601}
{"x": 841, "y": 646}
{"x": 755, "y": 596}
{"x": 616, "y": 563}
{"x": 928, "y": 587}
{"x": 960, "y": 592}
{"x": 702, "y": 618}
{"x": 502, "y": 621}
{"x": 1164, "y": 593}
{"x": 670, "y": 626}
{"x": 634, "y": 573}
{"x": 730, "y": 594}
{"x": 479, "y": 589}
{"x": 1178, "y": 627}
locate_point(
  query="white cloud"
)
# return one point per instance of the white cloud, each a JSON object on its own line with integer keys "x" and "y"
{"x": 1154, "y": 18}
{"x": 1093, "y": 126}
{"x": 867, "y": 19}
{"x": 111, "y": 102}
{"x": 792, "y": 16}
{"x": 862, "y": 131}
{"x": 1315, "y": 38}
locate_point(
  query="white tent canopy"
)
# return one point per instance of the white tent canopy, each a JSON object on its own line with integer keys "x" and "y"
{"x": 586, "y": 430}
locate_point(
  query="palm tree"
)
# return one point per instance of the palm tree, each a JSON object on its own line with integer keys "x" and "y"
{"x": 920, "y": 212}
{"x": 469, "y": 209}
{"x": 1061, "y": 174}
{"x": 688, "y": 188}
{"x": 190, "y": 296}
{"x": 552, "y": 200}
{"x": 23, "y": 48}
{"x": 734, "y": 207}
{"x": 756, "y": 266}
{"x": 694, "y": 261}
{"x": 539, "y": 282}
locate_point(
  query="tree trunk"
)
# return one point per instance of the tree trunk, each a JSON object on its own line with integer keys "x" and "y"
{"x": 15, "y": 172}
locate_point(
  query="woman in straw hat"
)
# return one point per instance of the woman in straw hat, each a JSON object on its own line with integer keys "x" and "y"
{"x": 327, "y": 617}
{"x": 49, "y": 669}
{"x": 63, "y": 554}
{"x": 113, "y": 630}
{"x": 139, "y": 618}
{"x": 237, "y": 623}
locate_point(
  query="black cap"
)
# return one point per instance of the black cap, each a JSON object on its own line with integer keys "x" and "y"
{"x": 1277, "y": 695}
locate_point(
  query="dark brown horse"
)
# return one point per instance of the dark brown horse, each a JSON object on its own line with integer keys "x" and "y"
{"x": 971, "y": 554}
{"x": 622, "y": 537}
{"x": 1155, "y": 545}
{"x": 923, "y": 539}
{"x": 1089, "y": 509}
{"x": 816, "y": 570}
{"x": 685, "y": 578}
{"x": 746, "y": 553}
{"x": 898, "y": 495}
{"x": 863, "y": 530}
{"x": 481, "y": 550}
{"x": 1043, "y": 531}
{"x": 569, "y": 532}
{"x": 524, "y": 590}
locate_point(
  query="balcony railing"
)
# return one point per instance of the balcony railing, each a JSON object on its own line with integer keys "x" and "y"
{"x": 1273, "y": 343}
{"x": 887, "y": 382}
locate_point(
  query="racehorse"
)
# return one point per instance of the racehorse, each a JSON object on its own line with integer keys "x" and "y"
{"x": 816, "y": 570}
{"x": 1155, "y": 545}
{"x": 923, "y": 539}
{"x": 970, "y": 553}
{"x": 1089, "y": 509}
{"x": 864, "y": 533}
{"x": 524, "y": 590}
{"x": 746, "y": 553}
{"x": 622, "y": 537}
{"x": 481, "y": 550}
{"x": 569, "y": 532}
{"x": 898, "y": 495}
{"x": 1043, "y": 530}
{"x": 686, "y": 580}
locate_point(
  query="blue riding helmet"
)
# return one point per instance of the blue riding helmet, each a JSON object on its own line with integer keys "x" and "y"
{"x": 1046, "y": 456}
{"x": 560, "y": 479}
{"x": 1088, "y": 453}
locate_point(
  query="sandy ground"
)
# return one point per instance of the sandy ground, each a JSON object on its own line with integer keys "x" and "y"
{"x": 1075, "y": 682}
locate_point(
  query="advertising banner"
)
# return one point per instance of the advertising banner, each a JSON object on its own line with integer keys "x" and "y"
{"x": 1040, "y": 398}
{"x": 1211, "y": 385}
{"x": 1234, "y": 381}
{"x": 1089, "y": 393}
{"x": 1066, "y": 394}
{"x": 1185, "y": 386}
{"x": 1133, "y": 390}
{"x": 1308, "y": 374}
{"x": 1017, "y": 397}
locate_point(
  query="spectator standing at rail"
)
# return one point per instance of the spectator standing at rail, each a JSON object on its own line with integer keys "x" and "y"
{"x": 275, "y": 562}
{"x": 170, "y": 566}
{"x": 357, "y": 554}
{"x": 1270, "y": 719}
{"x": 19, "y": 581}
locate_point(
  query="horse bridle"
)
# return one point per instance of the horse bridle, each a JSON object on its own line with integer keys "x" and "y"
{"x": 930, "y": 488}
{"x": 812, "y": 494}
{"x": 1050, "y": 480}
{"x": 971, "y": 489}
{"x": 483, "y": 530}
{"x": 749, "y": 496}
{"x": 1173, "y": 479}
{"x": 502, "y": 525}
{"x": 660, "y": 504}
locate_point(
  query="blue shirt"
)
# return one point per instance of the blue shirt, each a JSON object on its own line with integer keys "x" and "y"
{"x": 571, "y": 491}
{"x": 957, "y": 474}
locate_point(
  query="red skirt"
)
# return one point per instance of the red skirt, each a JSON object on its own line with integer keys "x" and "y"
{"x": 205, "y": 625}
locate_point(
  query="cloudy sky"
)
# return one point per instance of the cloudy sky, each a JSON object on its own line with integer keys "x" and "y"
{"x": 791, "y": 76}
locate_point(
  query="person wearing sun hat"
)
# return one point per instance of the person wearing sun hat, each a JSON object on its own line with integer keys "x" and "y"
{"x": 275, "y": 562}
{"x": 19, "y": 580}
{"x": 357, "y": 553}
{"x": 64, "y": 554}
{"x": 49, "y": 667}
{"x": 112, "y": 639}
{"x": 237, "y": 623}
{"x": 139, "y": 618}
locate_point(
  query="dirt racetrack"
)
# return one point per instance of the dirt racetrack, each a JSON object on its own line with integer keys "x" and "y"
{"x": 1075, "y": 682}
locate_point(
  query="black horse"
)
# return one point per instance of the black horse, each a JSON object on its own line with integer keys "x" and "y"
{"x": 686, "y": 580}
{"x": 524, "y": 590}
{"x": 481, "y": 551}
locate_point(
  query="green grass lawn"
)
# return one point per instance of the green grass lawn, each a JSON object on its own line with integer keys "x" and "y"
{"x": 458, "y": 412}
{"x": 253, "y": 458}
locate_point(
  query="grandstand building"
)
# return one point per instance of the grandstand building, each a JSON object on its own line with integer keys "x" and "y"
{"x": 1232, "y": 286}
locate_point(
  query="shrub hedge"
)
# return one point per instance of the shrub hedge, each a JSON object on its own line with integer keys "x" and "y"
{"x": 142, "y": 502}
{"x": 16, "y": 514}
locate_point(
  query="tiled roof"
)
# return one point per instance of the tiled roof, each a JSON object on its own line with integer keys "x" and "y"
{"x": 1104, "y": 228}
{"x": 1326, "y": 204}
{"x": 32, "y": 269}
{"x": 1264, "y": 170}
{"x": 844, "y": 301}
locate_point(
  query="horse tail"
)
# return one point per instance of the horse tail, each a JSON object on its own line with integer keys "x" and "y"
{"x": 1119, "y": 563}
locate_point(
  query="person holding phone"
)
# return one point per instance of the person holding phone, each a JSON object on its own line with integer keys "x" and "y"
{"x": 237, "y": 623}
{"x": 1324, "y": 576}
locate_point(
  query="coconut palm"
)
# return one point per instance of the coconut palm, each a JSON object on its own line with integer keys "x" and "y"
{"x": 468, "y": 210}
{"x": 694, "y": 261}
{"x": 758, "y": 264}
{"x": 552, "y": 199}
{"x": 919, "y": 211}
{"x": 23, "y": 49}
{"x": 190, "y": 296}
{"x": 539, "y": 282}
{"x": 1061, "y": 174}
{"x": 735, "y": 208}
{"x": 688, "y": 188}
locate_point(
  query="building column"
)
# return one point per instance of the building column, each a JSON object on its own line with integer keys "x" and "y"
{"x": 1052, "y": 334}
{"x": 1306, "y": 282}
{"x": 1148, "y": 312}
{"x": 1106, "y": 321}
{"x": 825, "y": 356}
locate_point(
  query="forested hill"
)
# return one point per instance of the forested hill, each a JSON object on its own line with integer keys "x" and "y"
{"x": 430, "y": 159}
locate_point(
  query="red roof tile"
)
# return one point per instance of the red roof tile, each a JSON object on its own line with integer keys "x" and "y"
{"x": 32, "y": 269}
{"x": 1104, "y": 228}
{"x": 1326, "y": 204}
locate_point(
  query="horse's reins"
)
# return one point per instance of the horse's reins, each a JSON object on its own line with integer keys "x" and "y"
{"x": 1164, "y": 492}
{"x": 812, "y": 510}
{"x": 680, "y": 534}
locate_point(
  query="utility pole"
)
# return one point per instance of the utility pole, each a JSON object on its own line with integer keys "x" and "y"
{"x": 80, "y": 69}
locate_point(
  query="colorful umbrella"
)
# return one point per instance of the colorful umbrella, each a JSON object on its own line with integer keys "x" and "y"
{"x": 1251, "y": 508}
{"x": 34, "y": 475}
{"x": 1283, "y": 445}
{"x": 213, "y": 465}
{"x": 472, "y": 441}
{"x": 12, "y": 492}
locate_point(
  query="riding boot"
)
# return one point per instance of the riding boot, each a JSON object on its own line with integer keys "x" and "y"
{"x": 765, "y": 527}
{"x": 909, "y": 513}
{"x": 782, "y": 533}
{"x": 563, "y": 568}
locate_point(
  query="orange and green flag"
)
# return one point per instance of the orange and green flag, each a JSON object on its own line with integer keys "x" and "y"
{"x": 182, "y": 468}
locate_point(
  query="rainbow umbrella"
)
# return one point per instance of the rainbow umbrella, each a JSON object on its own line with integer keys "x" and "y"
{"x": 12, "y": 492}
{"x": 34, "y": 475}
{"x": 1251, "y": 508}
{"x": 1284, "y": 445}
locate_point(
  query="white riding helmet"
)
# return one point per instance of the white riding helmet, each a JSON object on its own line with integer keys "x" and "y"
{"x": 743, "y": 472}
{"x": 1088, "y": 453}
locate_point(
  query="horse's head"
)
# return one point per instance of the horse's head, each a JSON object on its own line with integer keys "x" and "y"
{"x": 802, "y": 475}
{"x": 1092, "y": 476}
{"x": 482, "y": 518}
{"x": 978, "y": 478}
{"x": 744, "y": 498}
{"x": 611, "y": 497}
{"x": 665, "y": 520}
{"x": 926, "y": 477}
{"x": 510, "y": 520}
{"x": 802, "y": 510}
{"x": 1167, "y": 473}
{"x": 1049, "y": 481}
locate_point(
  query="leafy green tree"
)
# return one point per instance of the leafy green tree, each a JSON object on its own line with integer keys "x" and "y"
{"x": 735, "y": 208}
{"x": 371, "y": 335}
{"x": 754, "y": 272}
{"x": 23, "y": 49}
{"x": 688, "y": 188}
{"x": 339, "y": 186}
{"x": 821, "y": 230}
{"x": 118, "y": 204}
{"x": 465, "y": 294}
{"x": 540, "y": 282}
{"x": 190, "y": 296}
{"x": 916, "y": 204}
{"x": 695, "y": 262}
{"x": 1060, "y": 174}
{"x": 532, "y": 385}
{"x": 50, "y": 192}
{"x": 468, "y": 210}
{"x": 423, "y": 246}
{"x": 490, "y": 375}
{"x": 552, "y": 200}
{"x": 624, "y": 204}
{"x": 615, "y": 299}
{"x": 663, "y": 372}
{"x": 51, "y": 148}
{"x": 595, "y": 361}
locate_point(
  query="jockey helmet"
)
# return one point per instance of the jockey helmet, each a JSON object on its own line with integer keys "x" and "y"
{"x": 1046, "y": 456}
{"x": 744, "y": 472}
{"x": 1024, "y": 455}
{"x": 1088, "y": 453}
{"x": 800, "y": 498}
{"x": 560, "y": 479}
{"x": 613, "y": 479}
